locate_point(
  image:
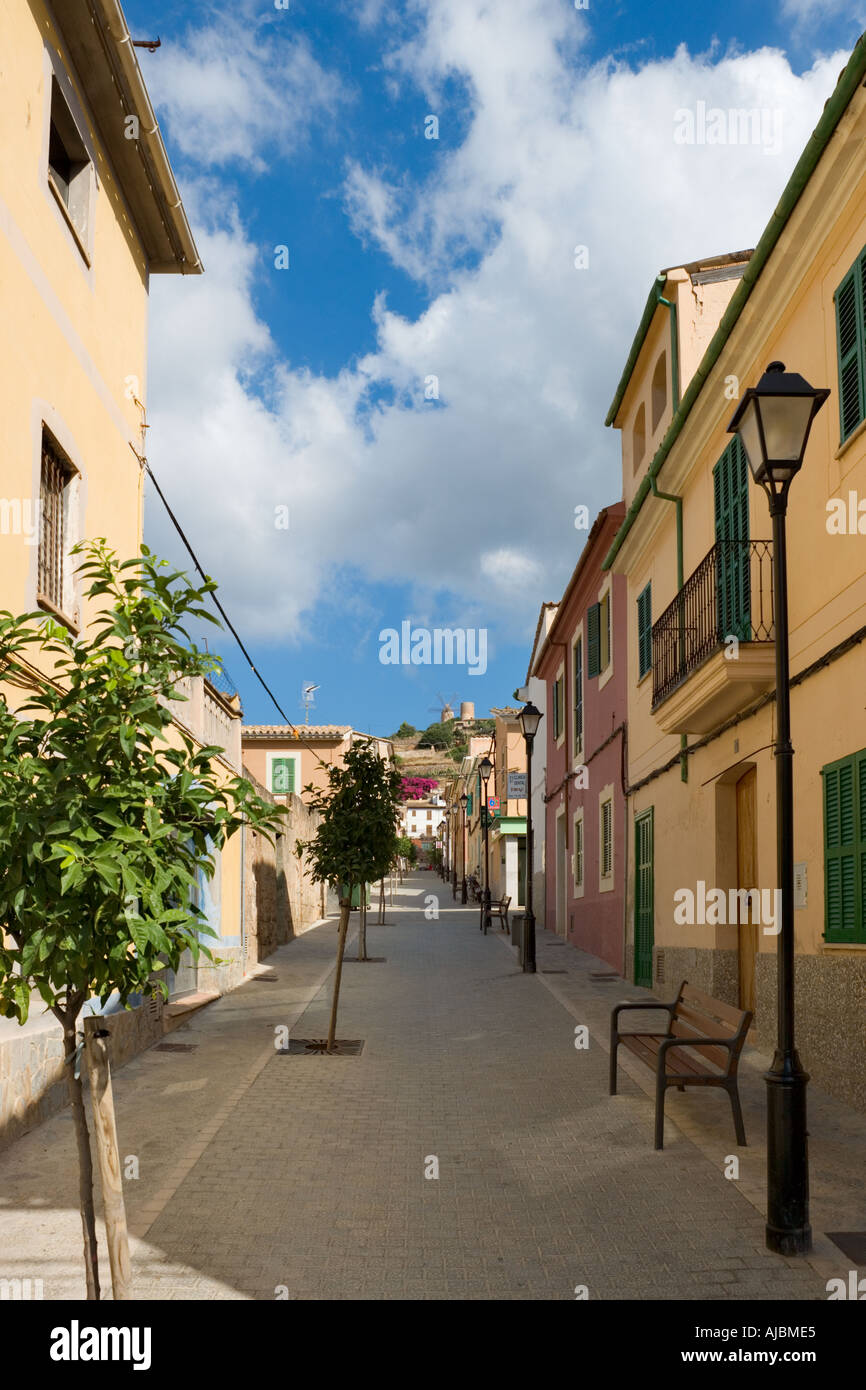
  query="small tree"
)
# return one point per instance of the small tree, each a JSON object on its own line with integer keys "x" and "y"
{"x": 104, "y": 826}
{"x": 354, "y": 841}
{"x": 405, "y": 731}
{"x": 437, "y": 735}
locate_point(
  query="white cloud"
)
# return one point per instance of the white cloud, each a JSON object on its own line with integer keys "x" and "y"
{"x": 473, "y": 495}
{"x": 233, "y": 90}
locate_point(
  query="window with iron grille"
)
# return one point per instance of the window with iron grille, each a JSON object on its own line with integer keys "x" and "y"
{"x": 57, "y": 473}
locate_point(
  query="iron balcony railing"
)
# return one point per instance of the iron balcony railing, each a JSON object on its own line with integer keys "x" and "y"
{"x": 729, "y": 595}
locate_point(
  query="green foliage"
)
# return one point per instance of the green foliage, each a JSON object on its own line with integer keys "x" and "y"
{"x": 405, "y": 731}
{"x": 360, "y": 809}
{"x": 437, "y": 735}
{"x": 106, "y": 827}
{"x": 406, "y": 849}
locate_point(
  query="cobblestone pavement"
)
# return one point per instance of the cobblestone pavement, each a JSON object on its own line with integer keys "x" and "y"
{"x": 265, "y": 1175}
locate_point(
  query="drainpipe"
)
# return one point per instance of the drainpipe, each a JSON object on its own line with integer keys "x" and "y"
{"x": 670, "y": 304}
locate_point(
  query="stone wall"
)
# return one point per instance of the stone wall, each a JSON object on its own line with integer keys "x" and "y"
{"x": 280, "y": 900}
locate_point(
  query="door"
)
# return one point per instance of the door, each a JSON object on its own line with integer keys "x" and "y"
{"x": 731, "y": 505}
{"x": 644, "y": 899}
{"x": 561, "y": 869}
{"x": 747, "y": 877}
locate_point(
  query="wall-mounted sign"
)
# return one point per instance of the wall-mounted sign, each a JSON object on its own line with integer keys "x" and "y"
{"x": 493, "y": 803}
{"x": 516, "y": 785}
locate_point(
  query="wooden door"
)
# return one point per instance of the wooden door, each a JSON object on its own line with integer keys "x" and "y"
{"x": 747, "y": 877}
{"x": 644, "y": 899}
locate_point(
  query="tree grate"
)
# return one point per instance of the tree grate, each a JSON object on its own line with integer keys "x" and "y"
{"x": 175, "y": 1047}
{"x": 318, "y": 1047}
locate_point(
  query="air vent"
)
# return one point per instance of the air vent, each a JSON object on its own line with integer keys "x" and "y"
{"x": 660, "y": 967}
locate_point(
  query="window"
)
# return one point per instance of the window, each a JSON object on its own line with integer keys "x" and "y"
{"x": 282, "y": 776}
{"x": 851, "y": 347}
{"x": 69, "y": 166}
{"x": 845, "y": 848}
{"x": 53, "y": 577}
{"x": 638, "y": 439}
{"x": 659, "y": 391}
{"x": 604, "y": 632}
{"x": 557, "y": 708}
{"x": 644, "y": 632}
{"x": 578, "y": 854}
{"x": 605, "y": 840}
{"x": 577, "y": 736}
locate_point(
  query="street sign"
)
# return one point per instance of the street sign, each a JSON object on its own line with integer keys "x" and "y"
{"x": 493, "y": 803}
{"x": 516, "y": 786}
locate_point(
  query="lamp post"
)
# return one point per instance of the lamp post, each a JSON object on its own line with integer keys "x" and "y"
{"x": 464, "y": 797}
{"x": 485, "y": 767}
{"x": 452, "y": 839}
{"x": 530, "y": 718}
{"x": 773, "y": 421}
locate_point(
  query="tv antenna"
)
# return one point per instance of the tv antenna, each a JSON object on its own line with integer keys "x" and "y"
{"x": 307, "y": 702}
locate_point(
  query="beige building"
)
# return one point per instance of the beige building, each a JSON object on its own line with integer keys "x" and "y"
{"x": 695, "y": 549}
{"x": 287, "y": 759}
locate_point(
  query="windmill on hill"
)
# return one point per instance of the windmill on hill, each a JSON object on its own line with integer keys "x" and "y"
{"x": 445, "y": 708}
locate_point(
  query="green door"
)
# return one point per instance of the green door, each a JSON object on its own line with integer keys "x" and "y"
{"x": 644, "y": 893}
{"x": 731, "y": 502}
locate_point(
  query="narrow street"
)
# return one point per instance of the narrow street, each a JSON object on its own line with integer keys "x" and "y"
{"x": 265, "y": 1175}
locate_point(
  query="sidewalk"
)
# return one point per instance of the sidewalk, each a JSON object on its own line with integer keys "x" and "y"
{"x": 265, "y": 1175}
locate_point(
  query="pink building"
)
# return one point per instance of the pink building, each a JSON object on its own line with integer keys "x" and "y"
{"x": 582, "y": 661}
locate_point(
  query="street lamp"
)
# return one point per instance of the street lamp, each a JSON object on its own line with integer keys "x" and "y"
{"x": 485, "y": 767}
{"x": 530, "y": 718}
{"x": 773, "y": 421}
{"x": 464, "y": 797}
{"x": 452, "y": 841}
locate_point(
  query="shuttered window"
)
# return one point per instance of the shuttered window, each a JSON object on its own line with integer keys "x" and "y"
{"x": 578, "y": 853}
{"x": 845, "y": 849}
{"x": 731, "y": 506}
{"x": 593, "y": 640}
{"x": 606, "y": 838}
{"x": 577, "y": 734}
{"x": 282, "y": 776}
{"x": 644, "y": 631}
{"x": 557, "y": 707}
{"x": 851, "y": 347}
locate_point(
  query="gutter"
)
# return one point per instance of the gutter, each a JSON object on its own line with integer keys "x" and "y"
{"x": 137, "y": 101}
{"x": 834, "y": 109}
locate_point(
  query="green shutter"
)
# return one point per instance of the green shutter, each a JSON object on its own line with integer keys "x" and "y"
{"x": 644, "y": 631}
{"x": 469, "y": 807}
{"x": 845, "y": 849}
{"x": 644, "y": 899}
{"x": 577, "y": 733}
{"x": 731, "y": 507}
{"x": 593, "y": 640}
{"x": 282, "y": 776}
{"x": 849, "y": 348}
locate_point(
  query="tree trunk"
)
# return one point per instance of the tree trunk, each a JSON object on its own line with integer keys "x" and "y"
{"x": 102, "y": 1106}
{"x": 85, "y": 1159}
{"x": 362, "y": 923}
{"x": 345, "y": 909}
{"x": 382, "y": 903}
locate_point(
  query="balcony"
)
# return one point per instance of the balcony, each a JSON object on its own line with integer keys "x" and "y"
{"x": 700, "y": 675}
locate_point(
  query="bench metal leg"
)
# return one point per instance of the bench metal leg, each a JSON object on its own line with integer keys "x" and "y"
{"x": 614, "y": 1047}
{"x": 661, "y": 1087}
{"x": 738, "y": 1115}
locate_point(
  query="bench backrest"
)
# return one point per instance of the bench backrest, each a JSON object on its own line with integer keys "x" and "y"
{"x": 698, "y": 1015}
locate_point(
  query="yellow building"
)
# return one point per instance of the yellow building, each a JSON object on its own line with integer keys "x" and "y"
{"x": 695, "y": 548}
{"x": 287, "y": 759}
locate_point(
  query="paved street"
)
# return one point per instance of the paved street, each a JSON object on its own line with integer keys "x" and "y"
{"x": 264, "y": 1175}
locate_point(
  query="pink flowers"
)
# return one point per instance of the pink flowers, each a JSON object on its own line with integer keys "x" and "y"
{"x": 415, "y": 788}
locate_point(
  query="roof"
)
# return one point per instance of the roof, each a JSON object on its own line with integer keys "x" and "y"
{"x": 849, "y": 80}
{"x": 711, "y": 266}
{"x": 616, "y": 508}
{"x": 308, "y": 732}
{"x": 545, "y": 607}
{"x": 100, "y": 46}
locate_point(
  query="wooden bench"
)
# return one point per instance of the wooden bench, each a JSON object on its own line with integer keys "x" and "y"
{"x": 697, "y": 1025}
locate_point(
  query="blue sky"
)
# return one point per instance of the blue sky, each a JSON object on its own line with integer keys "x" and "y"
{"x": 304, "y": 388}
